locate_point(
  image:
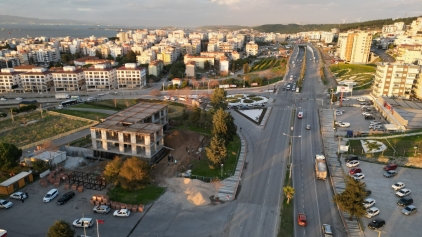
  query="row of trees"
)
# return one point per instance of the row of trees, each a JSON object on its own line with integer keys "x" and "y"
{"x": 131, "y": 174}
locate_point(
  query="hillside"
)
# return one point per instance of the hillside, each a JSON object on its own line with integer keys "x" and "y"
{"x": 7, "y": 19}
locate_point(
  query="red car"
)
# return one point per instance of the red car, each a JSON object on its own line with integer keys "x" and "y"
{"x": 390, "y": 167}
{"x": 355, "y": 171}
{"x": 301, "y": 219}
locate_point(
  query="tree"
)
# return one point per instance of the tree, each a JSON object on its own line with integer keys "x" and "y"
{"x": 218, "y": 99}
{"x": 207, "y": 65}
{"x": 134, "y": 174}
{"x": 112, "y": 170}
{"x": 9, "y": 155}
{"x": 98, "y": 54}
{"x": 223, "y": 126}
{"x": 288, "y": 191}
{"x": 39, "y": 166}
{"x": 155, "y": 93}
{"x": 61, "y": 229}
{"x": 130, "y": 57}
{"x": 195, "y": 115}
{"x": 351, "y": 199}
{"x": 217, "y": 151}
{"x": 246, "y": 68}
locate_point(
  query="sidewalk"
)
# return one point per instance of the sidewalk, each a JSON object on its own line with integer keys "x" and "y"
{"x": 383, "y": 137}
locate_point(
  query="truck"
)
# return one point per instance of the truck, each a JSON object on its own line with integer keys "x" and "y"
{"x": 62, "y": 96}
{"x": 320, "y": 167}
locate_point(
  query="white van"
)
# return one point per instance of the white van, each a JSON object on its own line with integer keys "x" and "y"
{"x": 51, "y": 195}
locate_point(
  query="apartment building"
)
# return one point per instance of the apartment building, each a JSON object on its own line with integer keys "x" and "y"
{"x": 100, "y": 77}
{"x": 37, "y": 80}
{"x": 212, "y": 47}
{"x": 131, "y": 76}
{"x": 187, "y": 49}
{"x": 155, "y": 68}
{"x": 116, "y": 51}
{"x": 251, "y": 48}
{"x": 196, "y": 46}
{"x": 69, "y": 79}
{"x": 225, "y": 47}
{"x": 224, "y": 65}
{"x": 135, "y": 131}
{"x": 199, "y": 60}
{"x": 355, "y": 46}
{"x": 9, "y": 80}
{"x": 395, "y": 79}
{"x": 44, "y": 56}
{"x": 190, "y": 69}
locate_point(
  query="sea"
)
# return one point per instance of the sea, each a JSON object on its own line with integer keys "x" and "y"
{"x": 75, "y": 31}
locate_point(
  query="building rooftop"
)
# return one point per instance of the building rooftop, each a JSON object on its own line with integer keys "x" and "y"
{"x": 408, "y": 109}
{"x": 14, "y": 179}
{"x": 86, "y": 59}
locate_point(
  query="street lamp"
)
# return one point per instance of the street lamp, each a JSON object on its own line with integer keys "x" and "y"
{"x": 415, "y": 149}
{"x": 222, "y": 165}
{"x": 291, "y": 148}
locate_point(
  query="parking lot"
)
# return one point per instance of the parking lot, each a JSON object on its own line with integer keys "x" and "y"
{"x": 33, "y": 217}
{"x": 397, "y": 224}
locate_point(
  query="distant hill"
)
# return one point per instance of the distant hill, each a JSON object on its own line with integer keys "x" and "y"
{"x": 7, "y": 19}
{"x": 223, "y": 27}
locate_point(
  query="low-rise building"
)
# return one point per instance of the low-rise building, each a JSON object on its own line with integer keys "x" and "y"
{"x": 190, "y": 69}
{"x": 155, "y": 68}
{"x": 69, "y": 79}
{"x": 9, "y": 80}
{"x": 131, "y": 76}
{"x": 100, "y": 77}
{"x": 251, "y": 48}
{"x": 37, "y": 80}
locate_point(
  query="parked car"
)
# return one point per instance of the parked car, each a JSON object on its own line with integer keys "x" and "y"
{"x": 358, "y": 176}
{"x": 66, "y": 197}
{"x": 122, "y": 213}
{"x": 390, "y": 167}
{"x": 83, "y": 222}
{"x": 51, "y": 195}
{"x": 5, "y": 204}
{"x": 405, "y": 201}
{"x": 360, "y": 99}
{"x": 368, "y": 202}
{"x": 409, "y": 210}
{"x": 371, "y": 212}
{"x": 366, "y": 114}
{"x": 18, "y": 195}
{"x": 352, "y": 163}
{"x": 103, "y": 209}
{"x": 344, "y": 124}
{"x": 390, "y": 173}
{"x": 355, "y": 170}
{"x": 350, "y": 158}
{"x": 18, "y": 98}
{"x": 326, "y": 230}
{"x": 376, "y": 224}
{"x": 398, "y": 186}
{"x": 3, "y": 99}
{"x": 345, "y": 99}
{"x": 301, "y": 219}
{"x": 403, "y": 192}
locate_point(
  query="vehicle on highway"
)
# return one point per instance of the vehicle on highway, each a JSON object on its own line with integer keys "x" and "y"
{"x": 377, "y": 223}
{"x": 344, "y": 124}
{"x": 355, "y": 170}
{"x": 3, "y": 99}
{"x": 403, "y": 192}
{"x": 366, "y": 114}
{"x": 91, "y": 99}
{"x": 308, "y": 127}
{"x": 5, "y": 204}
{"x": 122, "y": 213}
{"x": 398, "y": 186}
{"x": 350, "y": 158}
{"x": 405, "y": 201}
{"x": 345, "y": 99}
{"x": 371, "y": 212}
{"x": 360, "y": 99}
{"x": 66, "y": 197}
{"x": 390, "y": 167}
{"x": 358, "y": 176}
{"x": 101, "y": 94}
{"x": 300, "y": 115}
{"x": 103, "y": 209}
{"x": 338, "y": 113}
{"x": 51, "y": 195}
{"x": 326, "y": 230}
{"x": 368, "y": 202}
{"x": 18, "y": 98}
{"x": 352, "y": 163}
{"x": 301, "y": 219}
{"x": 390, "y": 173}
{"x": 409, "y": 210}
{"x": 83, "y": 222}
{"x": 18, "y": 195}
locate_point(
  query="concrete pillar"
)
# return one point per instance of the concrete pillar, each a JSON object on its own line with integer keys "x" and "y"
{"x": 147, "y": 140}
{"x": 133, "y": 138}
{"x": 120, "y": 136}
{"x": 104, "y": 140}
{"x": 103, "y": 135}
{"x": 93, "y": 135}
{"x": 121, "y": 147}
{"x": 134, "y": 152}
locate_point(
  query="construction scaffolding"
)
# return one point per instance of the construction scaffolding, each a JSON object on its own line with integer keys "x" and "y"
{"x": 88, "y": 181}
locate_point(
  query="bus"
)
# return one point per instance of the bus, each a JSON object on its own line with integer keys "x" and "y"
{"x": 68, "y": 102}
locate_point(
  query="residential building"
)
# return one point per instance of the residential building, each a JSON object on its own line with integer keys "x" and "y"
{"x": 196, "y": 46}
{"x": 176, "y": 81}
{"x": 251, "y": 48}
{"x": 395, "y": 79}
{"x": 224, "y": 65}
{"x": 155, "y": 68}
{"x": 235, "y": 55}
{"x": 355, "y": 47}
{"x": 9, "y": 80}
{"x": 37, "y": 80}
{"x": 190, "y": 69}
{"x": 136, "y": 131}
{"x": 199, "y": 60}
{"x": 225, "y": 47}
{"x": 69, "y": 79}
{"x": 25, "y": 68}
{"x": 100, "y": 77}
{"x": 131, "y": 76}
{"x": 9, "y": 62}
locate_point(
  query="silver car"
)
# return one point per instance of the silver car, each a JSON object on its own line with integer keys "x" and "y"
{"x": 409, "y": 210}
{"x": 102, "y": 209}
{"x": 326, "y": 229}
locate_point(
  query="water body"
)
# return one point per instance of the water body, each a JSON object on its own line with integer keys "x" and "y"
{"x": 81, "y": 31}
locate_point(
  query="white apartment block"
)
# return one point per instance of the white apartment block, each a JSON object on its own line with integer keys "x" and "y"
{"x": 69, "y": 79}
{"x": 178, "y": 34}
{"x": 155, "y": 68}
{"x": 152, "y": 38}
{"x": 224, "y": 65}
{"x": 199, "y": 60}
{"x": 100, "y": 77}
{"x": 212, "y": 47}
{"x": 37, "y": 80}
{"x": 355, "y": 46}
{"x": 8, "y": 79}
{"x": 187, "y": 49}
{"x": 130, "y": 76}
{"x": 190, "y": 69}
{"x": 415, "y": 27}
{"x": 251, "y": 48}
{"x": 46, "y": 55}
{"x": 196, "y": 46}
{"x": 395, "y": 79}
{"x": 116, "y": 51}
{"x": 225, "y": 47}
{"x": 215, "y": 55}
{"x": 410, "y": 56}
{"x": 195, "y": 35}
{"x": 327, "y": 37}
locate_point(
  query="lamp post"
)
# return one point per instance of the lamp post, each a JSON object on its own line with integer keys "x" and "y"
{"x": 290, "y": 152}
{"x": 163, "y": 87}
{"x": 222, "y": 165}
{"x": 415, "y": 149}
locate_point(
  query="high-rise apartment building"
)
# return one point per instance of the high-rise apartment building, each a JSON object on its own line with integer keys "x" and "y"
{"x": 355, "y": 46}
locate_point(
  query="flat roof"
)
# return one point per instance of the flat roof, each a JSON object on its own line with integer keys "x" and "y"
{"x": 15, "y": 178}
{"x": 409, "y": 110}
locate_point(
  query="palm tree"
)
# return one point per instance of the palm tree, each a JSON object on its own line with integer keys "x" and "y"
{"x": 288, "y": 192}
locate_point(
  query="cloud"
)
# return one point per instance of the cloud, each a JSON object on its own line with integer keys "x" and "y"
{"x": 225, "y": 2}
{"x": 86, "y": 9}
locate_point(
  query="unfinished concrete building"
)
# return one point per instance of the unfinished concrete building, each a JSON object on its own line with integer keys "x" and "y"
{"x": 135, "y": 131}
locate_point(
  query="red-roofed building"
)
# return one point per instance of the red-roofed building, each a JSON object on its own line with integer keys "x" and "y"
{"x": 131, "y": 76}
{"x": 9, "y": 78}
{"x": 37, "y": 80}
{"x": 69, "y": 79}
{"x": 100, "y": 77}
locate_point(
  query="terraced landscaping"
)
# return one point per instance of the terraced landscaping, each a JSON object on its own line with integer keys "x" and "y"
{"x": 266, "y": 64}
{"x": 363, "y": 75}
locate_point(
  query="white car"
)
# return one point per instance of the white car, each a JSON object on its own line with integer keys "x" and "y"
{"x": 18, "y": 195}
{"x": 5, "y": 204}
{"x": 346, "y": 99}
{"x": 83, "y": 222}
{"x": 360, "y": 99}
{"x": 403, "y": 192}
{"x": 18, "y": 98}
{"x": 344, "y": 124}
{"x": 2, "y": 98}
{"x": 51, "y": 195}
{"x": 358, "y": 176}
{"x": 398, "y": 186}
{"x": 366, "y": 114}
{"x": 368, "y": 202}
{"x": 371, "y": 212}
{"x": 352, "y": 163}
{"x": 122, "y": 213}
{"x": 101, "y": 94}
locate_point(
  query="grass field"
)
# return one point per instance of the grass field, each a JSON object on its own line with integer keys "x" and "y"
{"x": 83, "y": 114}
{"x": 351, "y": 69}
{"x": 202, "y": 167}
{"x": 266, "y": 64}
{"x": 90, "y": 106}
{"x": 141, "y": 196}
{"x": 37, "y": 128}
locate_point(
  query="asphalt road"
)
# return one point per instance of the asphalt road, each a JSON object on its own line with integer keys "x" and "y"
{"x": 383, "y": 55}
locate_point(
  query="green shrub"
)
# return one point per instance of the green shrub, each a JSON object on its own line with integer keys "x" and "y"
{"x": 247, "y": 101}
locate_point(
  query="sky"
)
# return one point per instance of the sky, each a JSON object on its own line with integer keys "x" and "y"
{"x": 194, "y": 13}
